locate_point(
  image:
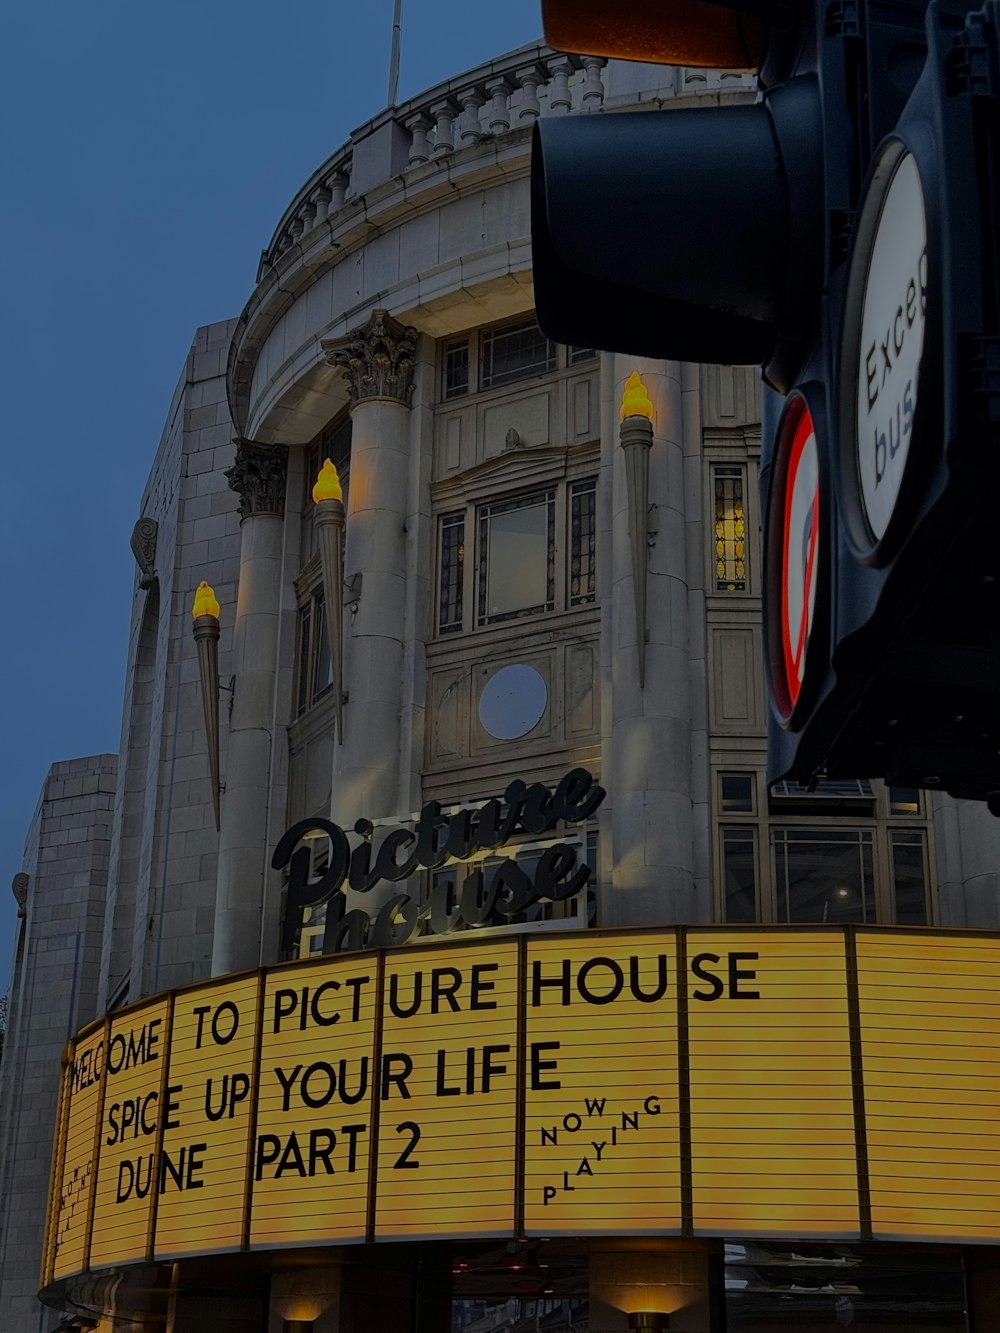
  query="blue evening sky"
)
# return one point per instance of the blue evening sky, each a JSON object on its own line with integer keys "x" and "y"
{"x": 147, "y": 153}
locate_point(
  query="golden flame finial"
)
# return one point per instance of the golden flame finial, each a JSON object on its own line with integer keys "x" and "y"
{"x": 205, "y": 602}
{"x": 328, "y": 485}
{"x": 635, "y": 401}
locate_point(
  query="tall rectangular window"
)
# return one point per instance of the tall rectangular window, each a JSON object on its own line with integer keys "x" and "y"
{"x": 452, "y": 573}
{"x": 513, "y": 353}
{"x": 824, "y": 875}
{"x": 305, "y": 640}
{"x": 909, "y": 879}
{"x": 335, "y": 444}
{"x": 583, "y": 542}
{"x": 730, "y": 529}
{"x": 456, "y": 368}
{"x": 739, "y": 874}
{"x": 516, "y": 558}
{"x": 315, "y": 667}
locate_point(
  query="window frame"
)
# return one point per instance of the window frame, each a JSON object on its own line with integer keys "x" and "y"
{"x": 733, "y": 449}
{"x": 471, "y": 346}
{"x": 796, "y": 813}
{"x": 312, "y": 601}
{"x": 333, "y": 442}
{"x": 733, "y": 470}
{"x": 560, "y": 549}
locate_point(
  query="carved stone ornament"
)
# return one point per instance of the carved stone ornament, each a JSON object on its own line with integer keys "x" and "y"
{"x": 143, "y": 543}
{"x": 19, "y": 888}
{"x": 258, "y": 478}
{"x": 378, "y": 359}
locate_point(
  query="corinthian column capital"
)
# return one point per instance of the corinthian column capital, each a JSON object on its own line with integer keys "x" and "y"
{"x": 258, "y": 478}
{"x": 378, "y": 359}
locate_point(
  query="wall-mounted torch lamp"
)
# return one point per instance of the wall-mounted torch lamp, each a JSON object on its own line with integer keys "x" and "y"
{"x": 206, "y": 635}
{"x": 636, "y": 438}
{"x": 648, "y": 1321}
{"x": 328, "y": 497}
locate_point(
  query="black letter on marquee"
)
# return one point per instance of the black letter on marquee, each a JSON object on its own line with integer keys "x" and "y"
{"x": 737, "y": 974}
{"x": 698, "y": 969}
{"x": 403, "y": 1162}
{"x": 539, "y": 1066}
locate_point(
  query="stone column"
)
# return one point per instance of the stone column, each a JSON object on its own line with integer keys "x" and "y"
{"x": 967, "y": 843}
{"x": 379, "y": 361}
{"x": 650, "y": 771}
{"x": 258, "y": 477}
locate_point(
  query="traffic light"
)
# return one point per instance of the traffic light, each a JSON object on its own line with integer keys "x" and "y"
{"x": 842, "y": 234}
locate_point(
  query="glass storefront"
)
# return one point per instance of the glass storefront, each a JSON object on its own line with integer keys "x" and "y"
{"x": 769, "y": 1287}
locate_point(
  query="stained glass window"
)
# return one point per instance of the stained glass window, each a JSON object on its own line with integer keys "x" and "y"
{"x": 730, "y": 530}
{"x": 452, "y": 573}
{"x": 583, "y": 542}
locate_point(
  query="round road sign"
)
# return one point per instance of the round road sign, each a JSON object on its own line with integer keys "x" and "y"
{"x": 884, "y": 326}
{"x": 795, "y": 554}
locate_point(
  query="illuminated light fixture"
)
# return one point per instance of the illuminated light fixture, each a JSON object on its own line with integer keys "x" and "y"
{"x": 695, "y": 33}
{"x": 636, "y": 438}
{"x": 635, "y": 400}
{"x": 328, "y": 520}
{"x": 649, "y": 1321}
{"x": 205, "y": 613}
{"x": 328, "y": 485}
{"x": 297, "y": 1326}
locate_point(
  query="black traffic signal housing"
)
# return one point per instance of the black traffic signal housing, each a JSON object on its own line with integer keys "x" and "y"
{"x": 767, "y": 261}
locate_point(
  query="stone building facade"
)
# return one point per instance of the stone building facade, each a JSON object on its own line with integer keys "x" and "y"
{"x": 54, "y": 989}
{"x": 494, "y": 542}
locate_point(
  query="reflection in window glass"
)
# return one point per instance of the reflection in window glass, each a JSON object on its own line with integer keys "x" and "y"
{"x": 516, "y": 558}
{"x": 535, "y": 1286}
{"x": 909, "y": 880}
{"x": 305, "y": 638}
{"x": 452, "y": 573}
{"x": 315, "y": 669}
{"x": 736, "y": 793}
{"x": 583, "y": 542}
{"x": 514, "y": 353}
{"x": 772, "y": 1287}
{"x": 904, "y": 801}
{"x": 322, "y": 670}
{"x": 456, "y": 368}
{"x": 824, "y": 875}
{"x": 825, "y": 789}
{"x": 739, "y": 874}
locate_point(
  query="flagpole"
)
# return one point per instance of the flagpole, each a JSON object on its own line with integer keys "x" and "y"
{"x": 394, "y": 56}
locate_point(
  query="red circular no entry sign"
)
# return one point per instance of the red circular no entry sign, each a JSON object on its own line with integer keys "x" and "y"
{"x": 795, "y": 537}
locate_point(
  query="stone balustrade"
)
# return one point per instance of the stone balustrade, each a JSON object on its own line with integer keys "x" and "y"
{"x": 476, "y": 108}
{"x": 507, "y": 94}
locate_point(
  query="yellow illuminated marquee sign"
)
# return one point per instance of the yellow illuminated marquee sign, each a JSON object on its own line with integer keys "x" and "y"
{"x": 799, "y": 1082}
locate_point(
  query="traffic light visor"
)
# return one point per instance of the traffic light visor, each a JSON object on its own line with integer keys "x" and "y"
{"x": 663, "y": 32}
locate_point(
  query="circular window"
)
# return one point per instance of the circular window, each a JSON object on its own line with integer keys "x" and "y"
{"x": 512, "y": 702}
